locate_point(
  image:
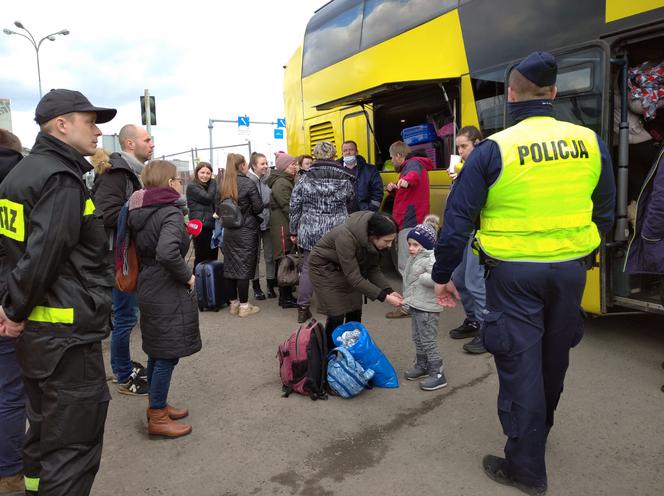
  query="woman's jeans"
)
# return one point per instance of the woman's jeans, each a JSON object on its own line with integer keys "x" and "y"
{"x": 160, "y": 371}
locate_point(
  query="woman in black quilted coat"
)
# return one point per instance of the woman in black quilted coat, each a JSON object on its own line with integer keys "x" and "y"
{"x": 166, "y": 298}
{"x": 240, "y": 245}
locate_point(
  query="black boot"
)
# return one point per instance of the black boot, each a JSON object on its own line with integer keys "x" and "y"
{"x": 303, "y": 313}
{"x": 258, "y": 292}
{"x": 271, "y": 284}
{"x": 286, "y": 299}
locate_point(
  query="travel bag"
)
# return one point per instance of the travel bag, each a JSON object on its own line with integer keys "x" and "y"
{"x": 211, "y": 287}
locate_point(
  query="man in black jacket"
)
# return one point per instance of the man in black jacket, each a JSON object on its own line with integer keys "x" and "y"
{"x": 112, "y": 189}
{"x": 12, "y": 393}
{"x": 368, "y": 186}
{"x": 56, "y": 295}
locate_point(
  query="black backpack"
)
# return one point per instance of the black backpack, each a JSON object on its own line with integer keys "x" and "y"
{"x": 230, "y": 214}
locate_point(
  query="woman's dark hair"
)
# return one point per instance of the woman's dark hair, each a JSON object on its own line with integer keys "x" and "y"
{"x": 381, "y": 225}
{"x": 200, "y": 166}
{"x": 471, "y": 132}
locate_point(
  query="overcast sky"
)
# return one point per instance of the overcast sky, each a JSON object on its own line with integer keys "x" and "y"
{"x": 200, "y": 60}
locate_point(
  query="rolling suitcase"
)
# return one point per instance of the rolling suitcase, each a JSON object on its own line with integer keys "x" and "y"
{"x": 210, "y": 287}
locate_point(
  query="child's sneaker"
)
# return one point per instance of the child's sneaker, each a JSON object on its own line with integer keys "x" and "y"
{"x": 415, "y": 372}
{"x": 434, "y": 381}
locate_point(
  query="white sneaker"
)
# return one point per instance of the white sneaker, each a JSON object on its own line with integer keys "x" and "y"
{"x": 248, "y": 310}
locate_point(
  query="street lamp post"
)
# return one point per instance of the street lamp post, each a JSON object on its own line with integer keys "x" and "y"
{"x": 36, "y": 44}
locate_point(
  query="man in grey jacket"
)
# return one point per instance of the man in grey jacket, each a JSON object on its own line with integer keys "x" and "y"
{"x": 258, "y": 172}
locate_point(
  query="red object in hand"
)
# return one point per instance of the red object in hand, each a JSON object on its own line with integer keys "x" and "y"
{"x": 194, "y": 227}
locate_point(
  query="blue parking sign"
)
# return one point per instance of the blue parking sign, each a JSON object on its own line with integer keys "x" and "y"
{"x": 278, "y": 134}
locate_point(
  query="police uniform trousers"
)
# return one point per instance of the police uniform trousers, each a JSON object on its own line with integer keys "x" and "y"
{"x": 66, "y": 413}
{"x": 533, "y": 319}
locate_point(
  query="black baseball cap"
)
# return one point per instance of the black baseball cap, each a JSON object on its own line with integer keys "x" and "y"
{"x": 61, "y": 101}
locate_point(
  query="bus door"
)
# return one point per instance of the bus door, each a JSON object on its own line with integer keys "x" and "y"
{"x": 581, "y": 97}
{"x": 356, "y": 126}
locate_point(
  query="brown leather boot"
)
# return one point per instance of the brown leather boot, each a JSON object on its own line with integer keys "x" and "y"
{"x": 173, "y": 413}
{"x": 160, "y": 424}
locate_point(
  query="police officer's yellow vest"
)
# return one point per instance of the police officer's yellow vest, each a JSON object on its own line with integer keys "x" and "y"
{"x": 540, "y": 207}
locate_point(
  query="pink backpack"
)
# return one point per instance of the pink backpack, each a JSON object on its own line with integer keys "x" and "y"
{"x": 303, "y": 361}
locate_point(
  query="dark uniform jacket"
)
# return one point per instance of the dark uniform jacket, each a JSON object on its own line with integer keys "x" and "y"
{"x": 471, "y": 188}
{"x": 169, "y": 311}
{"x": 54, "y": 271}
{"x": 345, "y": 265}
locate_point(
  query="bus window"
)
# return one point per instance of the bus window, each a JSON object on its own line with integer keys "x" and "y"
{"x": 575, "y": 80}
{"x": 333, "y": 34}
{"x": 384, "y": 19}
{"x": 579, "y": 83}
{"x": 489, "y": 92}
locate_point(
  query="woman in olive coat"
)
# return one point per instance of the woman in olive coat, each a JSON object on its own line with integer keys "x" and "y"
{"x": 281, "y": 182}
{"x": 344, "y": 266}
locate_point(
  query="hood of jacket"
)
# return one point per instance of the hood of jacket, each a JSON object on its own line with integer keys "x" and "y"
{"x": 421, "y": 158}
{"x": 144, "y": 202}
{"x": 8, "y": 159}
{"x": 275, "y": 174}
{"x": 330, "y": 169}
{"x": 358, "y": 224}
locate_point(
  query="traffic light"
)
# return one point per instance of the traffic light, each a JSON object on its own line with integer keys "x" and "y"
{"x": 153, "y": 112}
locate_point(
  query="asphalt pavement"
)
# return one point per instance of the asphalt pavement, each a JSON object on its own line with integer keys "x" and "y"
{"x": 608, "y": 438}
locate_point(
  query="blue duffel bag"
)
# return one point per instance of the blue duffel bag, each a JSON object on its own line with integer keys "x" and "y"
{"x": 365, "y": 351}
{"x": 345, "y": 375}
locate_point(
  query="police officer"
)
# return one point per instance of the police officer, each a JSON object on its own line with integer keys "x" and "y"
{"x": 544, "y": 192}
{"x": 56, "y": 295}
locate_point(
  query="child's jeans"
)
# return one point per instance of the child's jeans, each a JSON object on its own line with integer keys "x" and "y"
{"x": 425, "y": 336}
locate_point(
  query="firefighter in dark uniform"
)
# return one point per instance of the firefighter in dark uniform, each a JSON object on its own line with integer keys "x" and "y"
{"x": 544, "y": 193}
{"x": 56, "y": 295}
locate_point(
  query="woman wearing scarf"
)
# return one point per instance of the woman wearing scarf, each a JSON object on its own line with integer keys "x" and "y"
{"x": 166, "y": 298}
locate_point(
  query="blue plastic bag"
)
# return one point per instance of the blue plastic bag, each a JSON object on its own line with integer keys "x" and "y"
{"x": 369, "y": 355}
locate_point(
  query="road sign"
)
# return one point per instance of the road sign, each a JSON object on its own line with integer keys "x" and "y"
{"x": 243, "y": 121}
{"x": 281, "y": 122}
{"x": 278, "y": 134}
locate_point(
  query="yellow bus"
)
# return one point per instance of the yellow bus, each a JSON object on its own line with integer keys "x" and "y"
{"x": 367, "y": 69}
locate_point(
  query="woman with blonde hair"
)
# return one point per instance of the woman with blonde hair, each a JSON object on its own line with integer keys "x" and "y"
{"x": 319, "y": 203}
{"x": 240, "y": 245}
{"x": 166, "y": 298}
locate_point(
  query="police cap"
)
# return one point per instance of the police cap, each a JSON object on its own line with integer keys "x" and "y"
{"x": 61, "y": 101}
{"x": 539, "y": 68}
